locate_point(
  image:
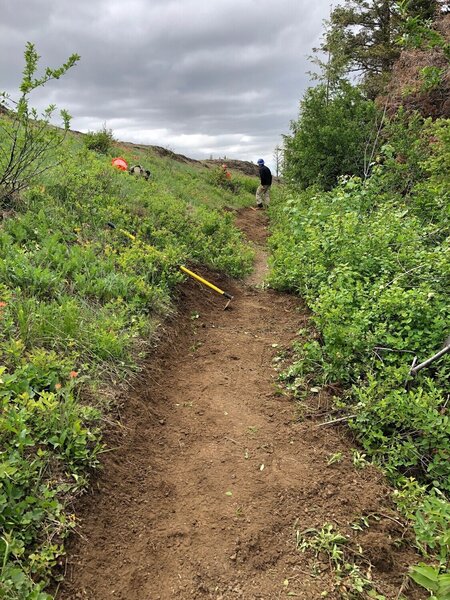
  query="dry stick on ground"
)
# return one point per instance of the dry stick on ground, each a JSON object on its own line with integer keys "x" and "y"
{"x": 340, "y": 420}
{"x": 324, "y": 413}
{"x": 231, "y": 440}
{"x": 403, "y": 587}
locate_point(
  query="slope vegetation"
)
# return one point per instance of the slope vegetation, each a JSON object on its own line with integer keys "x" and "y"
{"x": 80, "y": 308}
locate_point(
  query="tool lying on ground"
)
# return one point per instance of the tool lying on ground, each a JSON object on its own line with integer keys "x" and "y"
{"x": 416, "y": 368}
{"x": 182, "y": 268}
{"x": 209, "y": 284}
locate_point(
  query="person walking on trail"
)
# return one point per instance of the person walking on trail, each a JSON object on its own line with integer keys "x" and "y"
{"x": 263, "y": 191}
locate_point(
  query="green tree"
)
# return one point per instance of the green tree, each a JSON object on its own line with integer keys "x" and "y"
{"x": 422, "y": 9}
{"x": 368, "y": 31}
{"x": 362, "y": 38}
{"x": 30, "y": 140}
{"x": 331, "y": 136}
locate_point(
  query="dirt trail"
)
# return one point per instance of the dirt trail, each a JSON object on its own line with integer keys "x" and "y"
{"x": 211, "y": 469}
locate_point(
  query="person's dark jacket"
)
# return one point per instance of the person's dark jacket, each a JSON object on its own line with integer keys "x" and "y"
{"x": 265, "y": 175}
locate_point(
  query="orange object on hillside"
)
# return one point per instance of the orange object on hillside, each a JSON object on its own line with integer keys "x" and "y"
{"x": 120, "y": 163}
{"x": 225, "y": 170}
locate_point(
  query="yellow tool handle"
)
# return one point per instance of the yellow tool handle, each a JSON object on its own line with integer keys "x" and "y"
{"x": 127, "y": 234}
{"x": 211, "y": 285}
{"x": 191, "y": 273}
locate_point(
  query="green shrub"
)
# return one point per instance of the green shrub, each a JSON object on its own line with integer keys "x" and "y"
{"x": 101, "y": 141}
{"x": 221, "y": 177}
{"x": 248, "y": 184}
{"x": 367, "y": 269}
{"x": 330, "y": 138}
{"x": 28, "y": 144}
{"x": 48, "y": 440}
{"x": 406, "y": 431}
{"x": 372, "y": 260}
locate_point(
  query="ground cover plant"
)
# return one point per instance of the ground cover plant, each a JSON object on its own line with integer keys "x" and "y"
{"x": 372, "y": 260}
{"x": 79, "y": 303}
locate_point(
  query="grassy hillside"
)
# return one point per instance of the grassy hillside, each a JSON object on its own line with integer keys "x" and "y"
{"x": 79, "y": 304}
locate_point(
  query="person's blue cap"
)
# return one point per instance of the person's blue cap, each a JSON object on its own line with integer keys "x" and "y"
{"x": 260, "y": 161}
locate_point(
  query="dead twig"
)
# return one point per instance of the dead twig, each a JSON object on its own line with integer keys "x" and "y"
{"x": 403, "y": 587}
{"x": 340, "y": 420}
{"x": 231, "y": 440}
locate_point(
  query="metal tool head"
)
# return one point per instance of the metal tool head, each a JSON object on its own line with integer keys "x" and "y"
{"x": 228, "y": 303}
{"x": 230, "y": 298}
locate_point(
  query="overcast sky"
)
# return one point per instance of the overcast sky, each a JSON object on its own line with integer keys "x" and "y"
{"x": 201, "y": 77}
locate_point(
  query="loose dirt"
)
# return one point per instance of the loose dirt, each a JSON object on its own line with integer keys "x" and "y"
{"x": 211, "y": 472}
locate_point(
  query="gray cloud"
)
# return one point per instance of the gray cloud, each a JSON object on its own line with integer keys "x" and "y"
{"x": 222, "y": 77}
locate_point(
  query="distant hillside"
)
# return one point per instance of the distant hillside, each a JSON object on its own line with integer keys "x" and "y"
{"x": 244, "y": 166}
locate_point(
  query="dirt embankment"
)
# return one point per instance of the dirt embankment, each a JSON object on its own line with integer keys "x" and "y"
{"x": 407, "y": 82}
{"x": 211, "y": 472}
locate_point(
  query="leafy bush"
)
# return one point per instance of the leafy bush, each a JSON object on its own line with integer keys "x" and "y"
{"x": 370, "y": 268}
{"x": 432, "y": 580}
{"x": 429, "y": 512}
{"x": 28, "y": 143}
{"x": 221, "y": 177}
{"x": 330, "y": 137}
{"x": 372, "y": 261}
{"x": 101, "y": 141}
{"x": 406, "y": 431}
{"x": 247, "y": 184}
{"x": 48, "y": 439}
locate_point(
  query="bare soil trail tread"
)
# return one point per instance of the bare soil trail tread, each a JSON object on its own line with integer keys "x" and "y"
{"x": 211, "y": 469}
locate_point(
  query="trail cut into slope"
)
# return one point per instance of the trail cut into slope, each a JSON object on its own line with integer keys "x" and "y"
{"x": 211, "y": 472}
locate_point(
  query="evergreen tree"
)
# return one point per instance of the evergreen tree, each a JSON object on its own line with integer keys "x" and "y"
{"x": 423, "y": 9}
{"x": 363, "y": 38}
